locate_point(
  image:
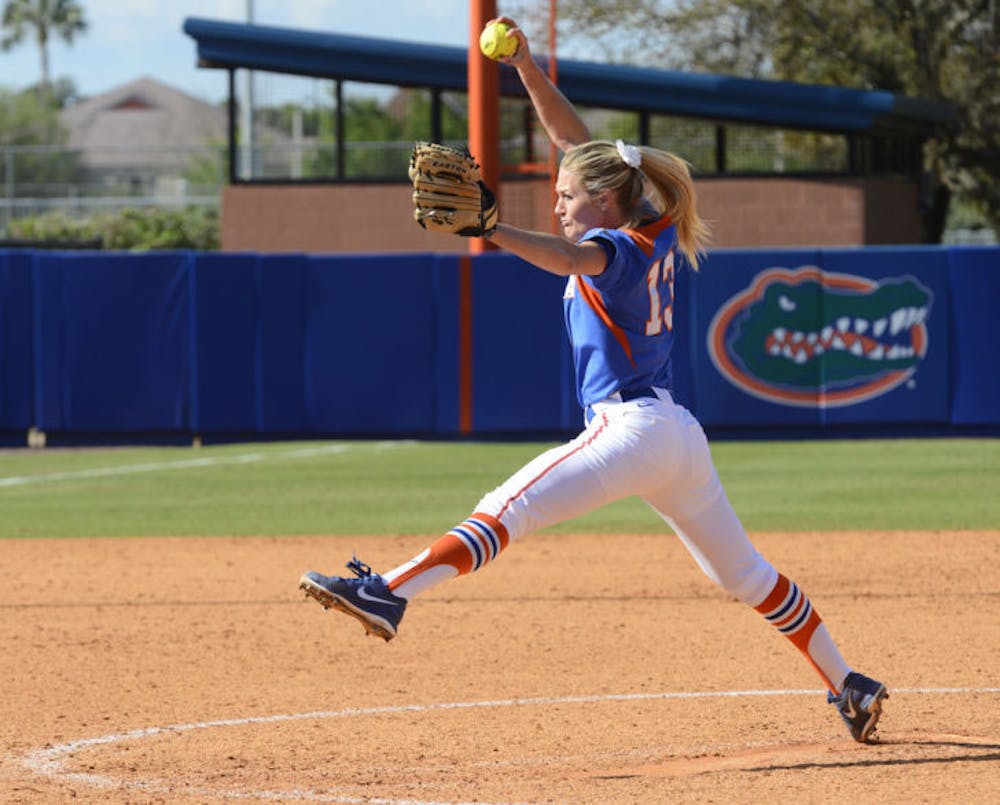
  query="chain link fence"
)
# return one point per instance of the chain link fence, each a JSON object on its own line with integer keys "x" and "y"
{"x": 55, "y": 180}
{"x": 76, "y": 185}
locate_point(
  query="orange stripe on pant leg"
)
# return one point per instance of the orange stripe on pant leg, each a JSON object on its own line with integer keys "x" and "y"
{"x": 597, "y": 432}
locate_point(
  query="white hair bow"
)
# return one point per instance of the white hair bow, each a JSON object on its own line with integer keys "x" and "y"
{"x": 630, "y": 154}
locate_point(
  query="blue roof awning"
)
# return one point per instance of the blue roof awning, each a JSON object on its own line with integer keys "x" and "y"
{"x": 721, "y": 98}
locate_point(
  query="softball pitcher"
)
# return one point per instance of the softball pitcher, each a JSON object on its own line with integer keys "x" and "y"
{"x": 629, "y": 219}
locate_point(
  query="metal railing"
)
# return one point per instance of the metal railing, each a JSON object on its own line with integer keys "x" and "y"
{"x": 76, "y": 183}
{"x": 39, "y": 180}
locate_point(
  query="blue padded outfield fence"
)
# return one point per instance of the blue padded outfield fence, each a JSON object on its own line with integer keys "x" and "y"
{"x": 183, "y": 344}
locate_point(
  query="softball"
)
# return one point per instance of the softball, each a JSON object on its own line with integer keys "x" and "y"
{"x": 493, "y": 41}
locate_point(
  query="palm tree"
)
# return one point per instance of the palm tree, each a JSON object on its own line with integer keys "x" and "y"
{"x": 44, "y": 19}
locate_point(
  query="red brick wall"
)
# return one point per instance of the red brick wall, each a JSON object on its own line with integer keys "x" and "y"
{"x": 744, "y": 212}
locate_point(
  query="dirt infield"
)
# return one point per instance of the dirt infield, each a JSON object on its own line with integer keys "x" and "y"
{"x": 576, "y": 669}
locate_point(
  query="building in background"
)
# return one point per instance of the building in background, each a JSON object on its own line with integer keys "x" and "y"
{"x": 148, "y": 139}
{"x": 777, "y": 163}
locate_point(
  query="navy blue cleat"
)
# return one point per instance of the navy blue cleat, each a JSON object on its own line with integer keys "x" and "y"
{"x": 366, "y": 598}
{"x": 860, "y": 705}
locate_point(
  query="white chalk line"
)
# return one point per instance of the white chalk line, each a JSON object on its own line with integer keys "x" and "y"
{"x": 192, "y": 463}
{"x": 49, "y": 762}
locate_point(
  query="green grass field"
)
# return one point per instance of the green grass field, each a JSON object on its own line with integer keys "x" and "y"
{"x": 355, "y": 487}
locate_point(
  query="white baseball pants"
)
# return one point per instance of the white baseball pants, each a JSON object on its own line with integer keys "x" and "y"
{"x": 657, "y": 450}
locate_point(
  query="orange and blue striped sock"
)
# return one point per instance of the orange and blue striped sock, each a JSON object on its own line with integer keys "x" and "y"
{"x": 789, "y": 610}
{"x": 467, "y": 547}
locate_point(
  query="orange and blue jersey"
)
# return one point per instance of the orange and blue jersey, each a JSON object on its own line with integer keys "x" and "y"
{"x": 620, "y": 323}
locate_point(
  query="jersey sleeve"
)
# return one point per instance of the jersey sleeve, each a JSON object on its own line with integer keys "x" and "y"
{"x": 613, "y": 241}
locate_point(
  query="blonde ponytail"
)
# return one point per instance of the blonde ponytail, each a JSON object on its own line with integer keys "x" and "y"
{"x": 670, "y": 176}
{"x": 603, "y": 165}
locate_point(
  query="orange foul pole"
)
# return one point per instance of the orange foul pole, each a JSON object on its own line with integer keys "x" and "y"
{"x": 483, "y": 81}
{"x": 484, "y": 106}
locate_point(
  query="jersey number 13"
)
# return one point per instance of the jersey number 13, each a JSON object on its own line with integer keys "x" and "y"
{"x": 660, "y": 282}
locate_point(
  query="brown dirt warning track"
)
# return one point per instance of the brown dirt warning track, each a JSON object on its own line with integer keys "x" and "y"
{"x": 575, "y": 669}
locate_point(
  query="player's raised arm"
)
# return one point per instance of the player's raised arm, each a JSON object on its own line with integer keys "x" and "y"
{"x": 563, "y": 125}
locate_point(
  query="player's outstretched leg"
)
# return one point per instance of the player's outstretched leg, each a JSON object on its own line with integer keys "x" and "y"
{"x": 858, "y": 698}
{"x": 366, "y": 597}
{"x": 713, "y": 534}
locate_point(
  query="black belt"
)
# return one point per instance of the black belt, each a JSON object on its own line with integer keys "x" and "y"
{"x": 636, "y": 394}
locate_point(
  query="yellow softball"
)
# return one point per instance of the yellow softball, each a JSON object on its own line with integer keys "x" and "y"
{"x": 493, "y": 41}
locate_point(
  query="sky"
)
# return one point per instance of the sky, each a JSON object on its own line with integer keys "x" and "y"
{"x": 129, "y": 39}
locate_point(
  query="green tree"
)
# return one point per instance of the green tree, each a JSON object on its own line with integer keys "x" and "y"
{"x": 206, "y": 171}
{"x": 715, "y": 36}
{"x": 367, "y": 125}
{"x": 370, "y": 127}
{"x": 281, "y": 118}
{"x": 28, "y": 120}
{"x": 130, "y": 229}
{"x": 937, "y": 50}
{"x": 416, "y": 122}
{"x": 43, "y": 19}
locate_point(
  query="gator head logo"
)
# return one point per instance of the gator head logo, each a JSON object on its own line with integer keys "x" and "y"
{"x": 811, "y": 338}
